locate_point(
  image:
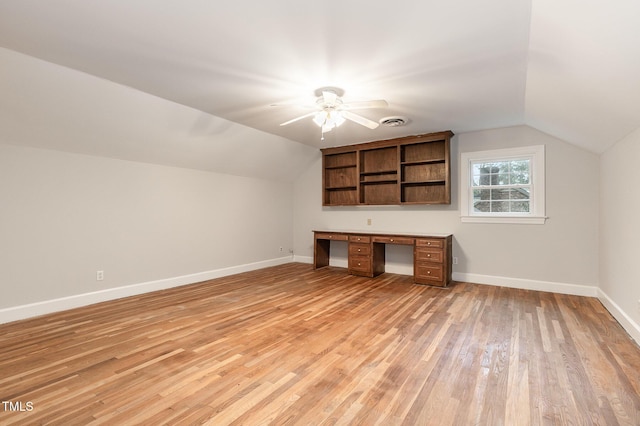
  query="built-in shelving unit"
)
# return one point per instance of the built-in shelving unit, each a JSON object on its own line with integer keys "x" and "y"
{"x": 410, "y": 170}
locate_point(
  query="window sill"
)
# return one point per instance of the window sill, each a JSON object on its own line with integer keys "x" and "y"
{"x": 529, "y": 220}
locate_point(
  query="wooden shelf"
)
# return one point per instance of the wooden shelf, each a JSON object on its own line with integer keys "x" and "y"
{"x": 379, "y": 182}
{"x": 425, "y": 182}
{"x": 381, "y": 172}
{"x": 341, "y": 188}
{"x": 340, "y": 167}
{"x": 410, "y": 170}
{"x": 417, "y": 163}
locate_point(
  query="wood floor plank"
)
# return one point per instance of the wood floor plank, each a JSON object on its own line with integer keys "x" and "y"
{"x": 293, "y": 345}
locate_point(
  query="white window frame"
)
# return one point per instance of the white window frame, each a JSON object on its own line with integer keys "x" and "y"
{"x": 535, "y": 154}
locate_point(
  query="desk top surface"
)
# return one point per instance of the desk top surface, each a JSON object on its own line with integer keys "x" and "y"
{"x": 384, "y": 233}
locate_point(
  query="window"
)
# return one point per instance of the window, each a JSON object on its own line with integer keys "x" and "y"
{"x": 503, "y": 186}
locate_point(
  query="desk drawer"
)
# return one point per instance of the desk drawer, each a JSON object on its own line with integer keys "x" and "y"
{"x": 330, "y": 236}
{"x": 394, "y": 240}
{"x": 360, "y": 238}
{"x": 429, "y": 254}
{"x": 359, "y": 249}
{"x": 428, "y": 271}
{"x": 429, "y": 242}
{"x": 360, "y": 264}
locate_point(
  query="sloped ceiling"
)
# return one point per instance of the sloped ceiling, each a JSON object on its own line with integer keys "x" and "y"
{"x": 567, "y": 68}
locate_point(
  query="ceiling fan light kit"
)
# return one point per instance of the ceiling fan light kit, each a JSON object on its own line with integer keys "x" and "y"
{"x": 328, "y": 119}
{"x": 331, "y": 111}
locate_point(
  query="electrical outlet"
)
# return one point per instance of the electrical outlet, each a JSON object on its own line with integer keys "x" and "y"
{"x": 639, "y": 306}
{"x": 369, "y": 222}
{"x": 280, "y": 249}
{"x": 99, "y": 275}
{"x": 455, "y": 260}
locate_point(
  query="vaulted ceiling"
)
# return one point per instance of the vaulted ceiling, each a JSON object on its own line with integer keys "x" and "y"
{"x": 569, "y": 68}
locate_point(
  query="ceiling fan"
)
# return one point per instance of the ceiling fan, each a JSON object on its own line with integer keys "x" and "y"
{"x": 330, "y": 111}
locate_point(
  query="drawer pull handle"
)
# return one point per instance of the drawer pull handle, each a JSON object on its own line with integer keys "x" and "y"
{"x": 391, "y": 239}
{"x": 428, "y": 272}
{"x": 359, "y": 250}
{"x": 359, "y": 264}
{"x": 428, "y": 255}
{"x": 429, "y": 243}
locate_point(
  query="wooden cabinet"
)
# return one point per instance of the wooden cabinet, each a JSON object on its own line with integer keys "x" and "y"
{"x": 366, "y": 254}
{"x": 432, "y": 260}
{"x": 410, "y": 170}
{"x": 365, "y": 258}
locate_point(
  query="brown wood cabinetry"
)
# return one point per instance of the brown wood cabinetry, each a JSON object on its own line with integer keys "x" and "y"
{"x": 432, "y": 260}
{"x": 366, "y": 254}
{"x": 410, "y": 170}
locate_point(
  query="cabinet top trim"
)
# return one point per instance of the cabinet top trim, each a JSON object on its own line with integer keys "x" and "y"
{"x": 448, "y": 134}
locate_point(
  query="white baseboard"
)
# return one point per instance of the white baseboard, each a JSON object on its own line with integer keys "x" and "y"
{"x": 49, "y": 306}
{"x": 526, "y": 284}
{"x": 630, "y": 326}
{"x": 303, "y": 259}
{"x": 56, "y": 305}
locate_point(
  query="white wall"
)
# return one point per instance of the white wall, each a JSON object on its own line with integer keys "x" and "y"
{"x": 65, "y": 216}
{"x": 153, "y": 194}
{"x": 561, "y": 255}
{"x": 620, "y": 232}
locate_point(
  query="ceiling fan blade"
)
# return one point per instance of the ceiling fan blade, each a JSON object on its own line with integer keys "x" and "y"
{"x": 380, "y": 103}
{"x": 298, "y": 118}
{"x": 359, "y": 119}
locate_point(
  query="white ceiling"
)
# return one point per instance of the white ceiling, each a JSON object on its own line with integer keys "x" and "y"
{"x": 568, "y": 68}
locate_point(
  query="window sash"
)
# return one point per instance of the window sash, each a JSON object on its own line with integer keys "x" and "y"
{"x": 515, "y": 171}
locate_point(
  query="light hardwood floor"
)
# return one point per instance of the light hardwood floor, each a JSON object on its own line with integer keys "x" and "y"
{"x": 290, "y": 345}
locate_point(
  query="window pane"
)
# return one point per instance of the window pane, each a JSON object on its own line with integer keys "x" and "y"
{"x": 500, "y": 206}
{"x": 500, "y": 194}
{"x": 519, "y": 194}
{"x": 503, "y": 179}
{"x": 520, "y": 172}
{"x": 481, "y": 194}
{"x": 520, "y": 206}
{"x": 482, "y": 207}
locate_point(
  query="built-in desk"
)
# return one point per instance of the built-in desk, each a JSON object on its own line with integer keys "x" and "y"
{"x": 431, "y": 254}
